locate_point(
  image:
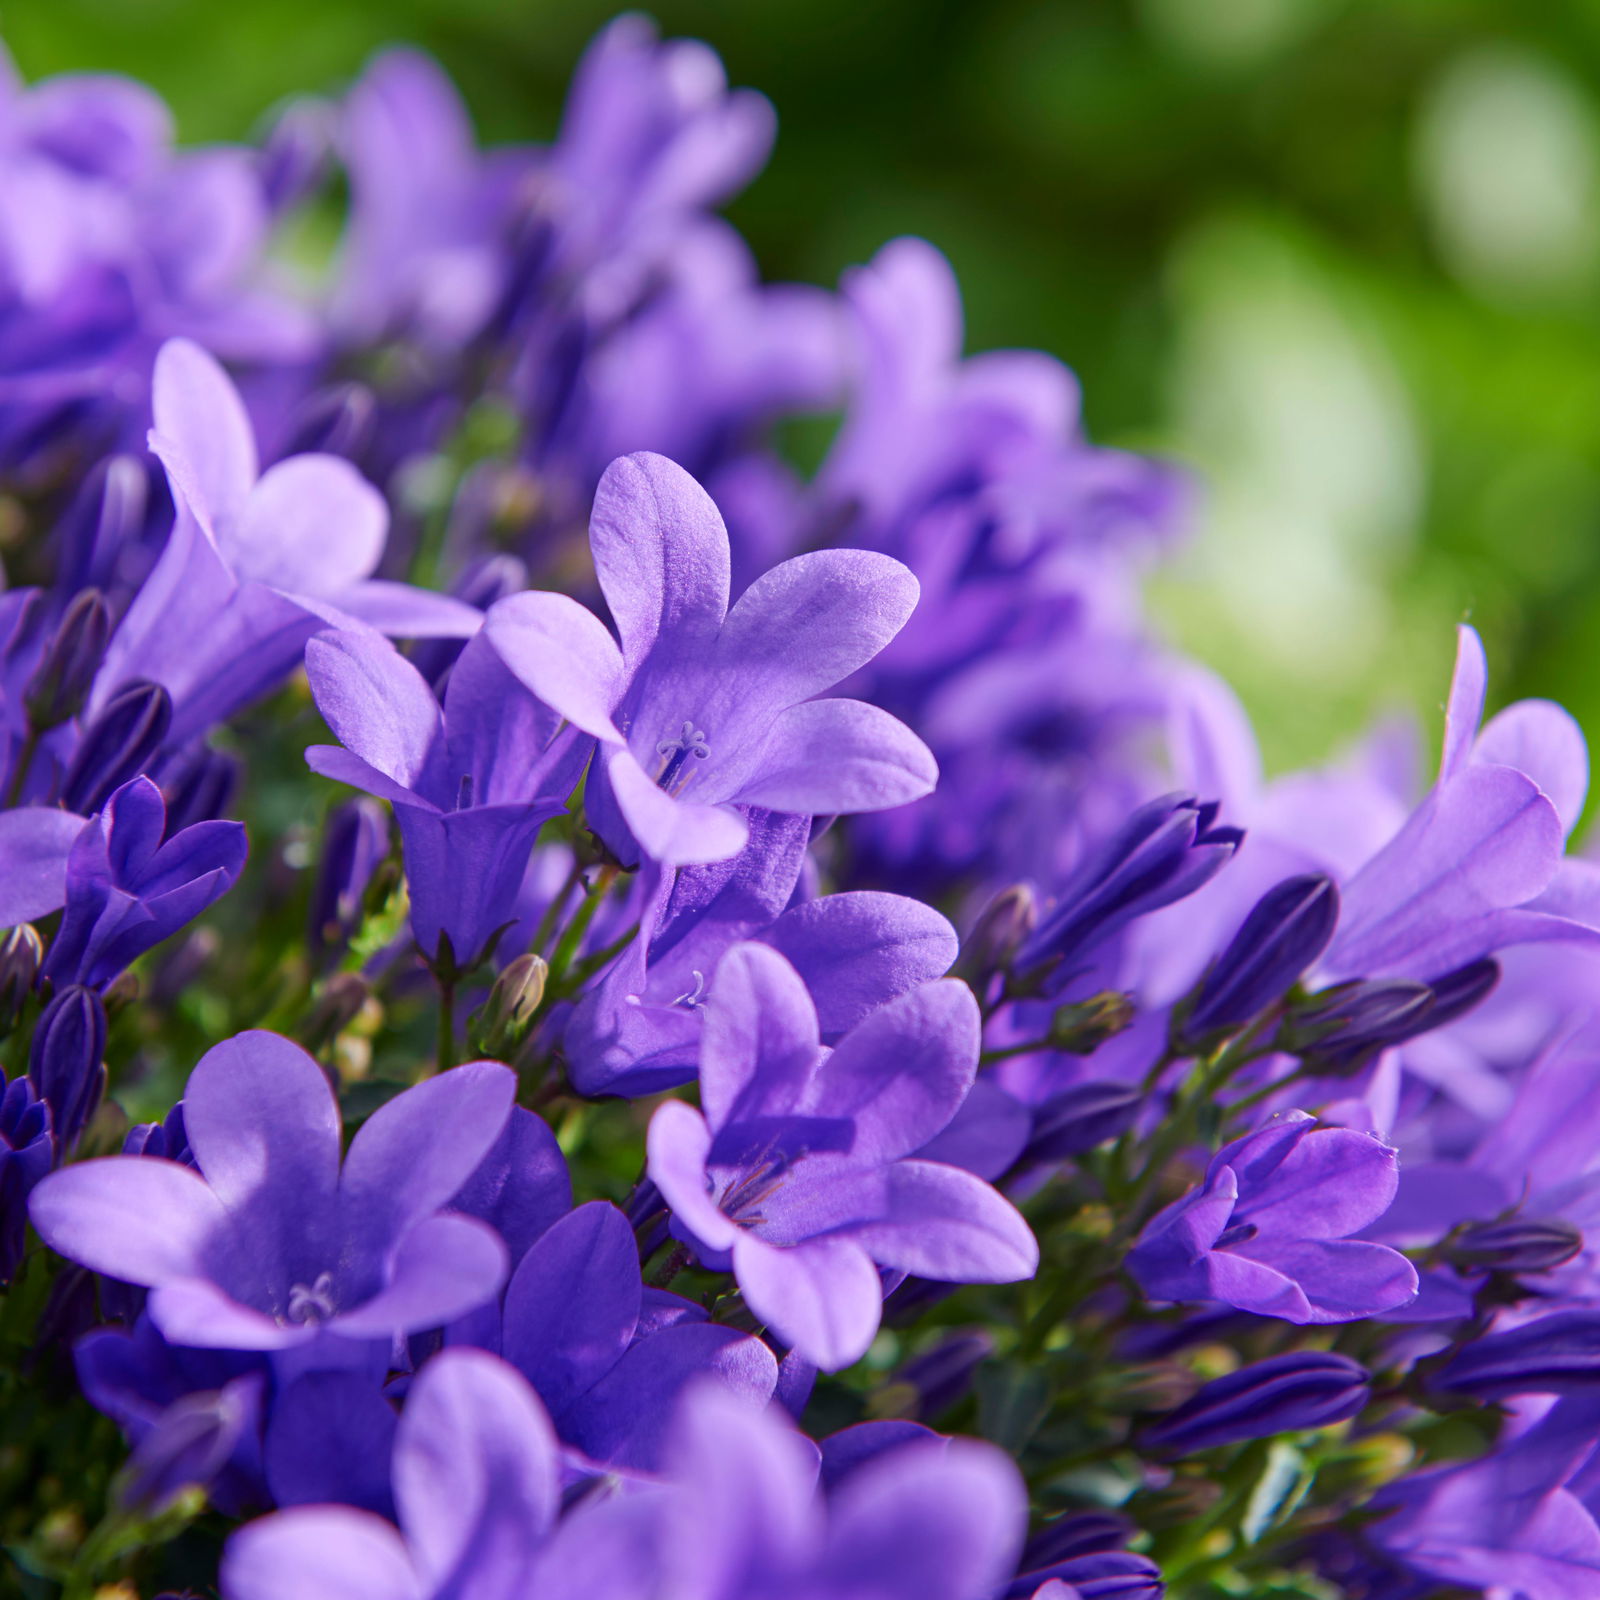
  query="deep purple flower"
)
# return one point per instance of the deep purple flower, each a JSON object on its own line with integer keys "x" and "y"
{"x": 704, "y": 708}
{"x": 120, "y": 742}
{"x": 798, "y": 1172}
{"x": 1164, "y": 852}
{"x": 1268, "y": 1230}
{"x": 66, "y": 1061}
{"x": 638, "y": 1029}
{"x": 1557, "y": 1354}
{"x": 256, "y": 562}
{"x": 61, "y": 682}
{"x": 1079, "y": 1118}
{"x": 606, "y": 1356}
{"x": 477, "y": 1488}
{"x": 355, "y": 840}
{"x": 471, "y": 784}
{"x": 27, "y": 1152}
{"x": 1283, "y": 1394}
{"x": 265, "y": 1244}
{"x": 125, "y": 883}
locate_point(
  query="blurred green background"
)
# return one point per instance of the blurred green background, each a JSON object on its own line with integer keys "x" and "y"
{"x": 1343, "y": 256}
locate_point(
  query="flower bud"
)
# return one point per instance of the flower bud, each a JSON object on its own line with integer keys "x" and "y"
{"x": 1164, "y": 852}
{"x": 1099, "y": 1575}
{"x": 1082, "y": 1028}
{"x": 503, "y": 1024}
{"x": 21, "y": 951}
{"x": 1284, "y": 1394}
{"x": 1079, "y": 1118}
{"x": 27, "y": 1152}
{"x": 929, "y": 1384}
{"x": 1558, "y": 1354}
{"x": 200, "y": 790}
{"x": 118, "y": 745}
{"x": 1519, "y": 1244}
{"x": 66, "y": 1062}
{"x": 355, "y": 842}
{"x": 1287, "y": 930}
{"x": 998, "y": 933}
{"x": 59, "y": 684}
{"x": 295, "y": 153}
{"x": 335, "y": 421}
{"x": 339, "y": 1004}
{"x": 1084, "y": 1533}
{"x": 103, "y": 526}
{"x": 189, "y": 1443}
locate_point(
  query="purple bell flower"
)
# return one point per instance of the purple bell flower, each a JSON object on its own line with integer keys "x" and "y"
{"x": 256, "y": 562}
{"x": 703, "y": 708}
{"x": 471, "y": 783}
{"x": 265, "y": 1243}
{"x": 128, "y": 886}
{"x": 1283, "y": 1394}
{"x": 799, "y": 1174}
{"x": 1269, "y": 1229}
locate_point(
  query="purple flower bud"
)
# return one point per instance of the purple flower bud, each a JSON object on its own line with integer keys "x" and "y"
{"x": 335, "y": 421}
{"x": 1085, "y": 1533}
{"x": 27, "y": 1152}
{"x": 66, "y": 1062}
{"x": 1101, "y": 1575}
{"x": 103, "y": 527}
{"x": 21, "y": 951}
{"x": 295, "y": 154}
{"x": 1284, "y": 1394}
{"x": 200, "y": 789}
{"x": 1287, "y": 930}
{"x": 59, "y": 684}
{"x": 189, "y": 1443}
{"x": 117, "y": 746}
{"x": 355, "y": 842}
{"x": 1079, "y": 1118}
{"x": 1339, "y": 1030}
{"x": 1519, "y": 1244}
{"x": 1558, "y": 1354}
{"x": 998, "y": 933}
{"x": 935, "y": 1380}
{"x": 1165, "y": 851}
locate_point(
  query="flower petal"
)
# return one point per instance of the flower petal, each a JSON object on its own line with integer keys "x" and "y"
{"x": 948, "y": 1225}
{"x": 443, "y": 1268}
{"x": 839, "y": 757}
{"x": 195, "y": 404}
{"x": 661, "y": 553}
{"x": 758, "y": 1042}
{"x": 378, "y": 705}
{"x": 563, "y": 653}
{"x": 678, "y": 1143}
{"x": 823, "y": 1297}
{"x": 676, "y": 833}
{"x": 319, "y": 1553}
{"x": 35, "y": 842}
{"x": 312, "y": 525}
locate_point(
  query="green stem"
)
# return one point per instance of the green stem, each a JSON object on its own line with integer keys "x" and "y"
{"x": 556, "y": 909}
{"x": 447, "y": 1023}
{"x": 572, "y": 936}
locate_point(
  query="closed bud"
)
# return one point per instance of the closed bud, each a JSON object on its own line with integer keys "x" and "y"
{"x": 1520, "y": 1244}
{"x": 1079, "y": 1118}
{"x": 1287, "y": 930}
{"x": 1339, "y": 1030}
{"x": 1285, "y": 1394}
{"x": 118, "y": 745}
{"x": 1083, "y": 1533}
{"x": 200, "y": 790}
{"x": 1558, "y": 1354}
{"x": 335, "y": 421}
{"x": 336, "y": 1007}
{"x": 929, "y": 1384}
{"x": 66, "y": 1063}
{"x": 104, "y": 524}
{"x": 59, "y": 684}
{"x": 296, "y": 152}
{"x": 1082, "y": 1028}
{"x": 189, "y": 1443}
{"x": 998, "y": 933}
{"x": 503, "y": 1024}
{"x": 355, "y": 842}
{"x": 21, "y": 951}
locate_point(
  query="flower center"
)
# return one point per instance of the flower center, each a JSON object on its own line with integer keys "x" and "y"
{"x": 741, "y": 1201}
{"x": 693, "y": 999}
{"x": 312, "y": 1302}
{"x": 675, "y": 754}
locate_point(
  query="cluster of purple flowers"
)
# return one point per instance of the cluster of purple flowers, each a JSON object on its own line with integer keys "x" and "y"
{"x": 901, "y": 1009}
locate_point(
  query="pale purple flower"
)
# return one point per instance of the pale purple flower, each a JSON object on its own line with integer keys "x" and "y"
{"x": 703, "y": 708}
{"x": 799, "y": 1172}
{"x": 256, "y": 562}
{"x": 265, "y": 1243}
{"x": 471, "y": 783}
